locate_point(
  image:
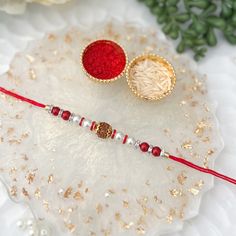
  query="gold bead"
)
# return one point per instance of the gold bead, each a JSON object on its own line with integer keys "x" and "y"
{"x": 103, "y": 130}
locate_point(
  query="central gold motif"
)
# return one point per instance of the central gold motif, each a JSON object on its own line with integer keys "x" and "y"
{"x": 103, "y": 130}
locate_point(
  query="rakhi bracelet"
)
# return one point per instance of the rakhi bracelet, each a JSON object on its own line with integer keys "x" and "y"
{"x": 105, "y": 131}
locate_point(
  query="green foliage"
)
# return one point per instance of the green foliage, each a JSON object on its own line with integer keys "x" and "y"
{"x": 195, "y": 22}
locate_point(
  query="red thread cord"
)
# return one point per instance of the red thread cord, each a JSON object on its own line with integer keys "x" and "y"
{"x": 176, "y": 159}
{"x": 202, "y": 169}
{"x": 24, "y": 99}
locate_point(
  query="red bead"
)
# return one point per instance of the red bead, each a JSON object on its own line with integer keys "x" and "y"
{"x": 156, "y": 151}
{"x": 125, "y": 139}
{"x": 144, "y": 147}
{"x": 55, "y": 111}
{"x": 104, "y": 59}
{"x": 65, "y": 115}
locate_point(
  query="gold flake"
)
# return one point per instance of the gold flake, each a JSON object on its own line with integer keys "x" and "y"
{"x": 68, "y": 39}
{"x": 14, "y": 141}
{"x": 111, "y": 191}
{"x": 141, "y": 221}
{"x": 51, "y": 37}
{"x": 24, "y": 157}
{"x": 187, "y": 144}
{"x": 25, "y": 192}
{"x": 71, "y": 227}
{"x": 50, "y": 178}
{"x": 176, "y": 192}
{"x": 30, "y": 58}
{"x": 80, "y": 184}
{"x": 30, "y": 177}
{"x": 125, "y": 204}
{"x": 156, "y": 199}
{"x": 32, "y": 74}
{"x": 128, "y": 225}
{"x": 70, "y": 209}
{"x": 182, "y": 178}
{"x": 25, "y": 135}
{"x": 170, "y": 217}
{"x": 194, "y": 191}
{"x": 68, "y": 192}
{"x": 78, "y": 196}
{"x": 170, "y": 168}
{"x": 37, "y": 193}
{"x": 200, "y": 128}
{"x": 10, "y": 131}
{"x": 210, "y": 152}
{"x": 13, "y": 191}
{"x": 88, "y": 220}
{"x": 117, "y": 216}
{"x": 99, "y": 208}
{"x": 46, "y": 205}
{"x": 199, "y": 184}
{"x": 140, "y": 230}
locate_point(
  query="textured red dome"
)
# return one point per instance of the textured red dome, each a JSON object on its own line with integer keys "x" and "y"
{"x": 104, "y": 59}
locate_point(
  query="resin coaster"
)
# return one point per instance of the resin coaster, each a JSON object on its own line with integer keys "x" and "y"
{"x": 86, "y": 186}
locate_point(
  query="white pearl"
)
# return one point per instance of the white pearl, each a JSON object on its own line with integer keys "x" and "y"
{"x": 119, "y": 136}
{"x": 20, "y": 224}
{"x": 32, "y": 232}
{"x": 44, "y": 232}
{"x": 130, "y": 141}
{"x": 30, "y": 223}
{"x": 76, "y": 118}
{"x": 86, "y": 123}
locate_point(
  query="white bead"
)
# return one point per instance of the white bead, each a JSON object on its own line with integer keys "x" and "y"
{"x": 130, "y": 141}
{"x": 32, "y": 232}
{"x": 86, "y": 123}
{"x": 119, "y": 136}
{"x": 150, "y": 149}
{"x": 44, "y": 232}
{"x": 76, "y": 118}
{"x": 20, "y": 224}
{"x": 136, "y": 145}
{"x": 30, "y": 223}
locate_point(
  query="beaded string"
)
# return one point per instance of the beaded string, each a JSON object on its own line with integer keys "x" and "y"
{"x": 104, "y": 130}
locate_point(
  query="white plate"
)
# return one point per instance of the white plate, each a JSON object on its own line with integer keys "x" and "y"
{"x": 218, "y": 209}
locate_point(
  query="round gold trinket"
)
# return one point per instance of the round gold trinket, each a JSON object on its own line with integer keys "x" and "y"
{"x": 103, "y": 130}
{"x": 150, "y": 77}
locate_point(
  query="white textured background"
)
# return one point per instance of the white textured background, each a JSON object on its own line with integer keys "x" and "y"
{"x": 218, "y": 209}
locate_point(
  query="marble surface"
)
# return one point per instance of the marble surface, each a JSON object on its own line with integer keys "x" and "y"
{"x": 218, "y": 208}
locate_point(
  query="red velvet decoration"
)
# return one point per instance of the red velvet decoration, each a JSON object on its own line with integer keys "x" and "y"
{"x": 104, "y": 59}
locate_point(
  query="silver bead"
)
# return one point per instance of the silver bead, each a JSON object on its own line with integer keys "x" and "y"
{"x": 76, "y": 118}
{"x": 164, "y": 154}
{"x": 150, "y": 149}
{"x": 60, "y": 112}
{"x": 49, "y": 108}
{"x": 86, "y": 123}
{"x": 136, "y": 145}
{"x": 130, "y": 141}
{"x": 71, "y": 117}
{"x": 119, "y": 136}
